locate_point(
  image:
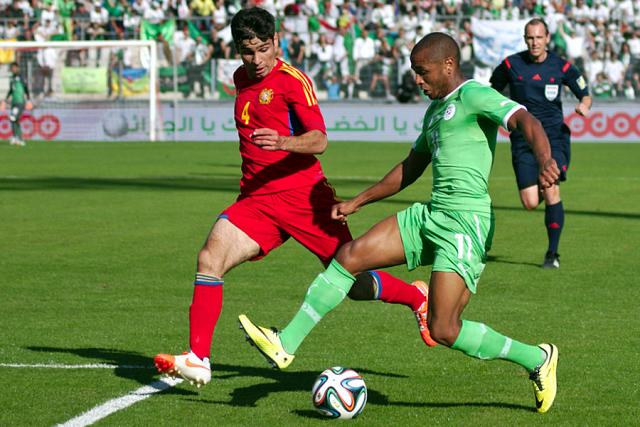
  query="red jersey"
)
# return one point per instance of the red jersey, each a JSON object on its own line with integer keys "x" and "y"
{"x": 284, "y": 101}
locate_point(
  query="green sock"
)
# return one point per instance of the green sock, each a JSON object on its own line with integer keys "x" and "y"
{"x": 480, "y": 341}
{"x": 325, "y": 293}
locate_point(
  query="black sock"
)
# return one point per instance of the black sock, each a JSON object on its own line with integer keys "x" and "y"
{"x": 554, "y": 220}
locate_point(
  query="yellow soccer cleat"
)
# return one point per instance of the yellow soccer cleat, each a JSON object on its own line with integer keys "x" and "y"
{"x": 544, "y": 379}
{"x": 267, "y": 342}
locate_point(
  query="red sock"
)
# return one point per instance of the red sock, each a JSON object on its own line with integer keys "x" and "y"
{"x": 395, "y": 291}
{"x": 203, "y": 316}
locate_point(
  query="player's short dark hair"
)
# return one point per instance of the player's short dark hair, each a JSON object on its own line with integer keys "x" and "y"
{"x": 251, "y": 23}
{"x": 536, "y": 21}
{"x": 440, "y": 46}
{"x": 14, "y": 64}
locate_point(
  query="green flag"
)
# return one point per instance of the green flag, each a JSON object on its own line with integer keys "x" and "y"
{"x": 194, "y": 32}
{"x": 149, "y": 31}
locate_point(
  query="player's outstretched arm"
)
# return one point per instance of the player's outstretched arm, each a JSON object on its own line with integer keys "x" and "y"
{"x": 400, "y": 176}
{"x": 312, "y": 142}
{"x": 536, "y": 137}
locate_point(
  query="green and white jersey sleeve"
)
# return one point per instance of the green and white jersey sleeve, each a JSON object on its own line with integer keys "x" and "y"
{"x": 460, "y": 132}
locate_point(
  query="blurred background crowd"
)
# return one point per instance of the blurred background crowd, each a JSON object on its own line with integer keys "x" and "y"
{"x": 351, "y": 49}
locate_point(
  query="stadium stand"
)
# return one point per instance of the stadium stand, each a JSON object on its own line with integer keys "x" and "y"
{"x": 325, "y": 38}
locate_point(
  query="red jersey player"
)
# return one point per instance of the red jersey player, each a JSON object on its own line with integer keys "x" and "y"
{"x": 283, "y": 193}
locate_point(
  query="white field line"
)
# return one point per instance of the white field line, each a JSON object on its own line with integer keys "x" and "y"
{"x": 62, "y": 366}
{"x": 101, "y": 411}
{"x": 114, "y": 405}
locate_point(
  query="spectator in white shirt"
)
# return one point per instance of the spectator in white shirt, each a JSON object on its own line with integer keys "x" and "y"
{"x": 48, "y": 13}
{"x": 623, "y": 11}
{"x": 26, "y": 8}
{"x": 340, "y": 54}
{"x": 140, "y": 6}
{"x": 184, "y": 44}
{"x": 410, "y": 22}
{"x": 183, "y": 10}
{"x": 220, "y": 15}
{"x": 99, "y": 15}
{"x": 323, "y": 52}
{"x": 614, "y": 68}
{"x": 364, "y": 50}
{"x": 195, "y": 71}
{"x": 600, "y": 11}
{"x": 11, "y": 31}
{"x": 130, "y": 22}
{"x": 576, "y": 45}
{"x": 634, "y": 44}
{"x": 509, "y": 12}
{"x": 383, "y": 14}
{"x": 4, "y": 4}
{"x": 594, "y": 67}
{"x": 341, "y": 61}
{"x": 581, "y": 13}
{"x": 154, "y": 14}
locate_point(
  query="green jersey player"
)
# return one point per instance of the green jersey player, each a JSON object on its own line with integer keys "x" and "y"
{"x": 452, "y": 232}
{"x": 19, "y": 96}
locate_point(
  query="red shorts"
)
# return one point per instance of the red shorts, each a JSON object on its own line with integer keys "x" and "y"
{"x": 302, "y": 213}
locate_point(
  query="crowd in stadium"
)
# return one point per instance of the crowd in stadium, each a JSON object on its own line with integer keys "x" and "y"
{"x": 351, "y": 48}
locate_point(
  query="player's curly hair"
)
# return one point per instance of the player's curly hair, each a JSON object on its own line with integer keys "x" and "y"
{"x": 250, "y": 23}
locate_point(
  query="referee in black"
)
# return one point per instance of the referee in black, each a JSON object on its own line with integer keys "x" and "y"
{"x": 535, "y": 78}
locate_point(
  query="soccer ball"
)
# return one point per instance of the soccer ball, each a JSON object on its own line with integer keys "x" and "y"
{"x": 339, "y": 393}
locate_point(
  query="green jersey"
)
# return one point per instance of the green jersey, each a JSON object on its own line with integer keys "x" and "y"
{"x": 17, "y": 90}
{"x": 460, "y": 132}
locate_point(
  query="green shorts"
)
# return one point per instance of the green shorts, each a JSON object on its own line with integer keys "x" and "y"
{"x": 454, "y": 241}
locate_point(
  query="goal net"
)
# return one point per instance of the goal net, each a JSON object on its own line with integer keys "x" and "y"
{"x": 84, "y": 90}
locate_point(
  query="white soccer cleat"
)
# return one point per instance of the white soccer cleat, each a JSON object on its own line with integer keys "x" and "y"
{"x": 187, "y": 365}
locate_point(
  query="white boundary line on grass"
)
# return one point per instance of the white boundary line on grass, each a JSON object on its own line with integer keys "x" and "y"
{"x": 62, "y": 366}
{"x": 114, "y": 405}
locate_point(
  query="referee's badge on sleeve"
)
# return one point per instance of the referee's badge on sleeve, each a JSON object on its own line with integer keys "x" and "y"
{"x": 551, "y": 91}
{"x": 581, "y": 83}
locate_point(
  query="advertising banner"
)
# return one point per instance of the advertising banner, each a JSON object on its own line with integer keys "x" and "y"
{"x": 206, "y": 121}
{"x": 84, "y": 80}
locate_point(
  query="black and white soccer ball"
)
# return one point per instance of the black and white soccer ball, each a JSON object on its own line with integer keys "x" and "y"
{"x": 339, "y": 393}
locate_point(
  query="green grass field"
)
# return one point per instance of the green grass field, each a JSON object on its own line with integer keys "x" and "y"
{"x": 97, "y": 252}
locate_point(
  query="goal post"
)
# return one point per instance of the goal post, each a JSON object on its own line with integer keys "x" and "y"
{"x": 86, "y": 90}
